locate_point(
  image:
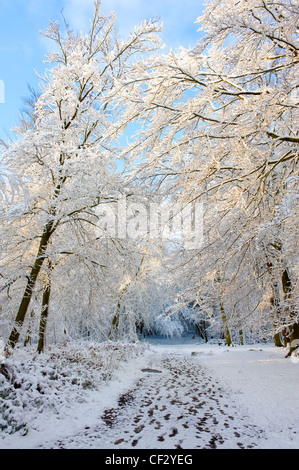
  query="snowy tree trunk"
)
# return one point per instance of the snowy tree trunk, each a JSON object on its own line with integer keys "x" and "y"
{"x": 275, "y": 301}
{"x": 44, "y": 314}
{"x": 114, "y": 331}
{"x": 40, "y": 258}
{"x": 29, "y": 330}
{"x": 202, "y": 330}
{"x": 241, "y": 337}
{"x": 294, "y": 338}
{"x": 205, "y": 331}
{"x": 294, "y": 330}
{"x": 228, "y": 340}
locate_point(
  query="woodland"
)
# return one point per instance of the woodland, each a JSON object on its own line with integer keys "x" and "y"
{"x": 127, "y": 142}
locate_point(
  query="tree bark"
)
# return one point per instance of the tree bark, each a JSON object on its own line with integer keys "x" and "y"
{"x": 277, "y": 340}
{"x": 202, "y": 330}
{"x": 275, "y": 301}
{"x": 29, "y": 330}
{"x": 40, "y": 258}
{"x": 241, "y": 337}
{"x": 286, "y": 283}
{"x": 205, "y": 331}
{"x": 44, "y": 313}
{"x": 228, "y": 340}
{"x": 294, "y": 338}
{"x": 294, "y": 329}
{"x": 114, "y": 331}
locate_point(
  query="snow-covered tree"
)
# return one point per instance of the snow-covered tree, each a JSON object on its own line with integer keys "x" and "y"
{"x": 220, "y": 123}
{"x": 68, "y": 151}
{"x": 13, "y": 193}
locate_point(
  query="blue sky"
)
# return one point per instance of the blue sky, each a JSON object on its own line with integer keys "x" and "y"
{"x": 23, "y": 49}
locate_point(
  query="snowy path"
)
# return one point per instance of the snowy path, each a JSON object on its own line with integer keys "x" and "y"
{"x": 176, "y": 405}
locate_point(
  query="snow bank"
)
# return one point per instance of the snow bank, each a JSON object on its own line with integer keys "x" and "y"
{"x": 37, "y": 390}
{"x": 55, "y": 395}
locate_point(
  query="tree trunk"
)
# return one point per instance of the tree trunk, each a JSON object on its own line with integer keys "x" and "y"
{"x": 294, "y": 338}
{"x": 41, "y": 256}
{"x": 29, "y": 330}
{"x": 294, "y": 329}
{"x": 114, "y": 331}
{"x": 205, "y": 331}
{"x": 275, "y": 302}
{"x": 44, "y": 314}
{"x": 241, "y": 337}
{"x": 202, "y": 330}
{"x": 228, "y": 340}
{"x": 286, "y": 283}
{"x": 277, "y": 340}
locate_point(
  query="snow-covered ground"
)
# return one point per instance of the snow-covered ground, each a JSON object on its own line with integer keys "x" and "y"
{"x": 167, "y": 395}
{"x": 261, "y": 381}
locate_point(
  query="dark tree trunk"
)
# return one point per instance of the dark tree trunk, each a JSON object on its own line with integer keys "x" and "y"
{"x": 294, "y": 339}
{"x": 241, "y": 337}
{"x": 40, "y": 258}
{"x": 205, "y": 331}
{"x": 286, "y": 282}
{"x": 294, "y": 329}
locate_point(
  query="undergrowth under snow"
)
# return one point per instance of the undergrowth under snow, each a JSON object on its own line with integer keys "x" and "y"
{"x": 58, "y": 399}
{"x": 32, "y": 384}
